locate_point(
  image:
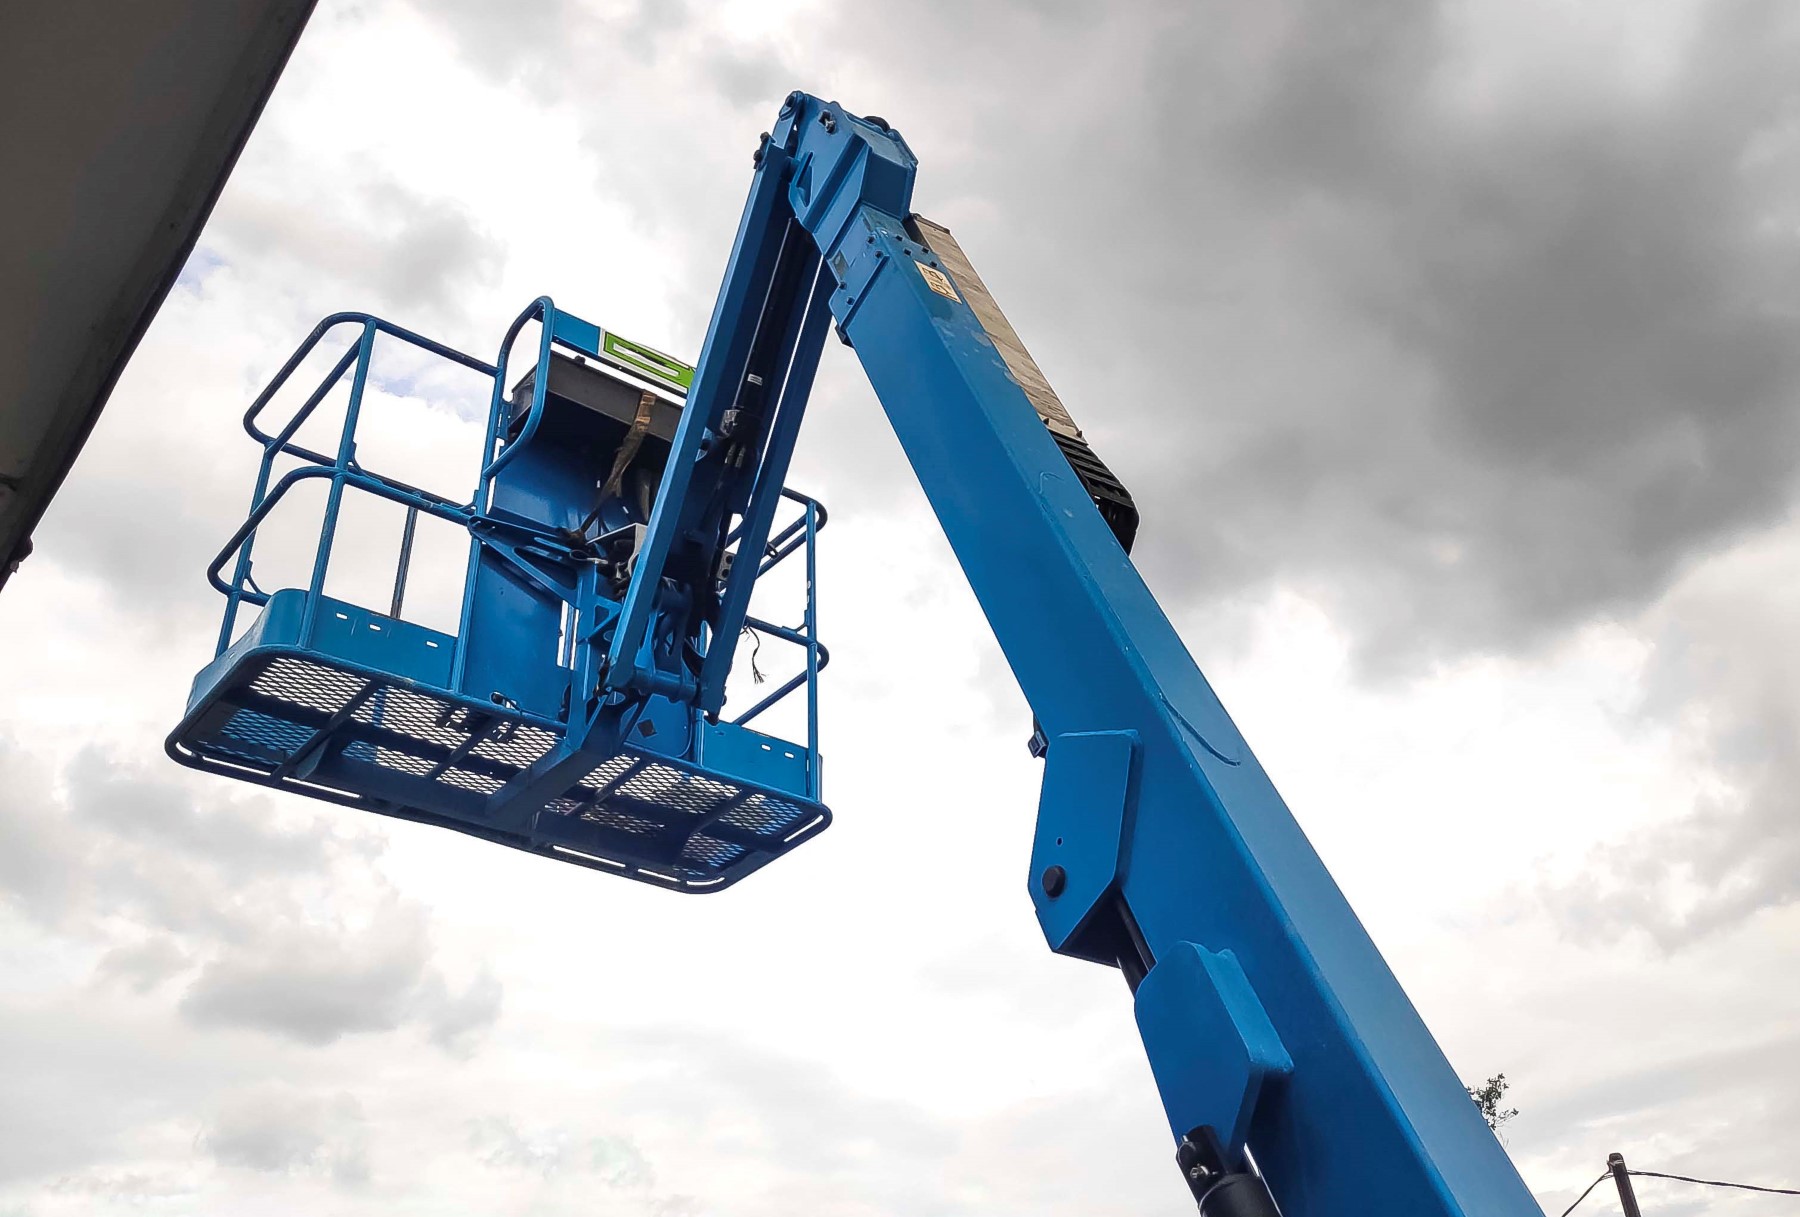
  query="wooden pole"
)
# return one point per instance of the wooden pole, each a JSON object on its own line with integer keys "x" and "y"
{"x": 1627, "y": 1198}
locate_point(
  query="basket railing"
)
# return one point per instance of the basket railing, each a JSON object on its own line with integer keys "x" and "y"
{"x": 341, "y": 470}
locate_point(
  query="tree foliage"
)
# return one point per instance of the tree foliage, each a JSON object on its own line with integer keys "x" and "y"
{"x": 1489, "y": 1097}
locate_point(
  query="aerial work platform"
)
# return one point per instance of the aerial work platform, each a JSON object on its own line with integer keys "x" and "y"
{"x": 626, "y": 509}
{"x": 502, "y": 730}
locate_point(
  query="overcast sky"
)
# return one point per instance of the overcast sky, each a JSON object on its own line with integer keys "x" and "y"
{"x": 1450, "y": 350}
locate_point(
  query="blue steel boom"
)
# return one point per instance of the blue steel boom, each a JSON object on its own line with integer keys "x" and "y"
{"x": 578, "y": 710}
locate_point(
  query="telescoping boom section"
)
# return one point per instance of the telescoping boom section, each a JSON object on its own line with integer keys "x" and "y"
{"x": 615, "y": 548}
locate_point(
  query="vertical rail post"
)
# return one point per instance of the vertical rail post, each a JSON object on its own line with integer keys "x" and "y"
{"x": 404, "y": 565}
{"x": 241, "y": 571}
{"x": 334, "y": 499}
{"x": 544, "y": 310}
{"x": 1622, "y": 1178}
{"x": 272, "y": 447}
{"x": 812, "y": 651}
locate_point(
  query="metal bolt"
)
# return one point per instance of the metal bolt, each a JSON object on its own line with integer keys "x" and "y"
{"x": 1054, "y": 880}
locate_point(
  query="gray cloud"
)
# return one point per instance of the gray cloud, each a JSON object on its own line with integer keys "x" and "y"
{"x": 150, "y": 561}
{"x": 115, "y": 840}
{"x": 237, "y": 836}
{"x": 317, "y": 983}
{"x": 749, "y": 78}
{"x": 678, "y": 159}
{"x": 806, "y": 1114}
{"x": 524, "y": 42}
{"x": 544, "y": 43}
{"x": 36, "y": 872}
{"x": 1681, "y": 1087}
{"x": 1725, "y": 676}
{"x": 408, "y": 254}
{"x": 864, "y": 1153}
{"x": 230, "y": 886}
{"x": 1468, "y": 372}
{"x": 277, "y": 1130}
{"x": 1581, "y": 296}
{"x": 456, "y": 1022}
{"x": 143, "y": 966}
{"x": 1468, "y": 368}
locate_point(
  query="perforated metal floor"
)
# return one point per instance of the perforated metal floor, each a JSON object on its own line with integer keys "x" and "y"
{"x": 359, "y": 738}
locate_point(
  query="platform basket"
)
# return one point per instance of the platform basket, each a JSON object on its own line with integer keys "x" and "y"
{"x": 338, "y": 701}
{"x": 301, "y": 722}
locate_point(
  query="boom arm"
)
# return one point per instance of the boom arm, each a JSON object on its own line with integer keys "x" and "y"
{"x": 1269, "y": 1017}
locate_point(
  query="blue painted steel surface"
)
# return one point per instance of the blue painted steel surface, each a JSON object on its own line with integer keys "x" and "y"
{"x": 1210, "y": 1042}
{"x": 1371, "y": 1118}
{"x": 1083, "y": 825}
{"x": 501, "y": 730}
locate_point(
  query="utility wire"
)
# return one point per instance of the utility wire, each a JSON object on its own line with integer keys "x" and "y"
{"x": 1748, "y": 1187}
{"x": 1590, "y": 1187}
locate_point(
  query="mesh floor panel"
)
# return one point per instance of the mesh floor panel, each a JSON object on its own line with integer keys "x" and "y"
{"x": 304, "y": 724}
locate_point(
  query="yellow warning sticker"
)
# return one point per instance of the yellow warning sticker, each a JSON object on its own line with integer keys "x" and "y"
{"x": 938, "y": 281}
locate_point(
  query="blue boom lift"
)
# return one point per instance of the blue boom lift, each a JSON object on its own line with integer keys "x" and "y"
{"x": 625, "y": 509}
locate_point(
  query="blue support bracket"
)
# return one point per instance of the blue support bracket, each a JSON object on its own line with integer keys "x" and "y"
{"x": 1211, "y": 1045}
{"x": 1077, "y": 858}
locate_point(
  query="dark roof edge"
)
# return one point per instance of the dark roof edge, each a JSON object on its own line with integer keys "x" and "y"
{"x": 116, "y": 338}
